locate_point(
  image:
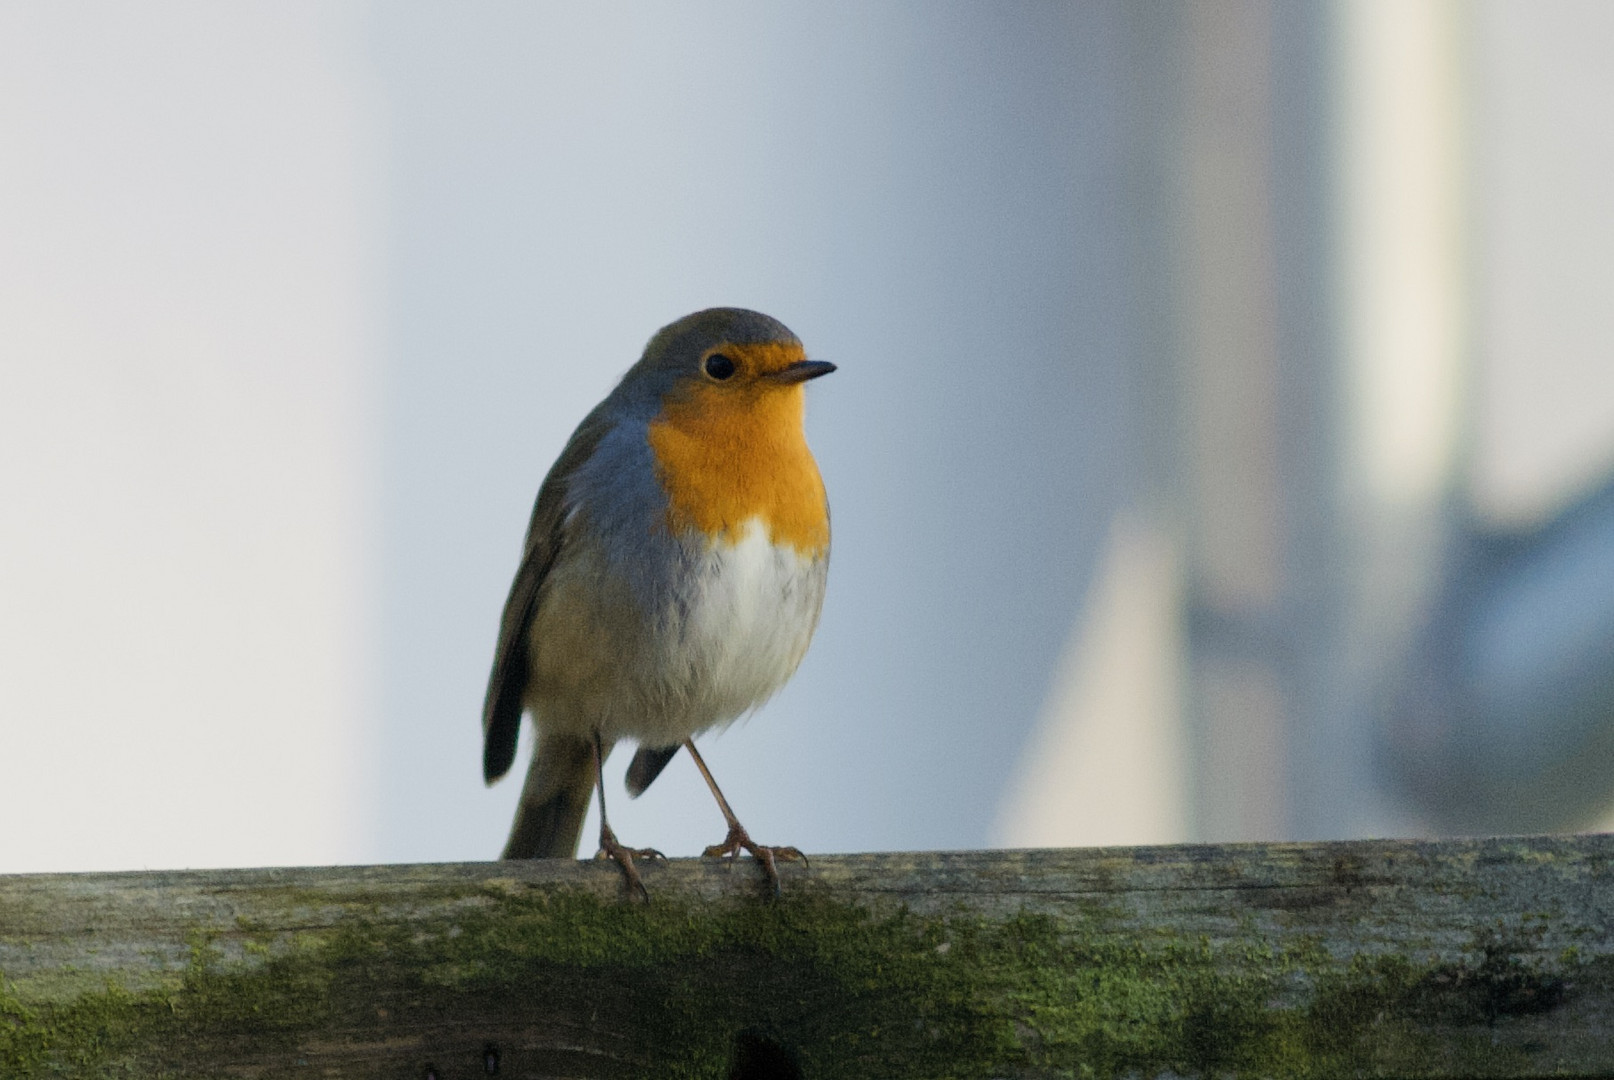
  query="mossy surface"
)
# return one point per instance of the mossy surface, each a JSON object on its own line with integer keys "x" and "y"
{"x": 664, "y": 990}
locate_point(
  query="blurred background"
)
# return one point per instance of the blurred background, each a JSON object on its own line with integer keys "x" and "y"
{"x": 1219, "y": 449}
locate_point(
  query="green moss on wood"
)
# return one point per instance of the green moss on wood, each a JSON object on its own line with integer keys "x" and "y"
{"x": 857, "y": 993}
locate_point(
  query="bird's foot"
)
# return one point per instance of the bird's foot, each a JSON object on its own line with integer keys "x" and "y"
{"x": 739, "y": 839}
{"x": 623, "y": 857}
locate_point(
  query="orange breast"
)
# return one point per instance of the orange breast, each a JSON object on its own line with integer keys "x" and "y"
{"x": 726, "y": 455}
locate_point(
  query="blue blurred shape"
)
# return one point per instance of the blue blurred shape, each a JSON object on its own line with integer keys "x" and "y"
{"x": 1503, "y": 718}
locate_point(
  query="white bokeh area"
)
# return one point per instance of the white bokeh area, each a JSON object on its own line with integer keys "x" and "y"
{"x": 187, "y": 350}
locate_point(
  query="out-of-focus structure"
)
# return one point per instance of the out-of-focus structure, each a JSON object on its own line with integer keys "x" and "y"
{"x": 1383, "y": 396}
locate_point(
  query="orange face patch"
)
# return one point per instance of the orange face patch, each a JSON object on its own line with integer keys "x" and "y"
{"x": 728, "y": 452}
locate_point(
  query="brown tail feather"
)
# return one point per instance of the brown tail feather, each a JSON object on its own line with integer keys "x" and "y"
{"x": 554, "y": 800}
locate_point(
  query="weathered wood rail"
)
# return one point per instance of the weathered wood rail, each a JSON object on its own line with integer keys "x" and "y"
{"x": 1381, "y": 958}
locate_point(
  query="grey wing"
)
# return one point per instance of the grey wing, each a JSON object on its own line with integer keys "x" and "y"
{"x": 512, "y": 660}
{"x": 507, "y": 685}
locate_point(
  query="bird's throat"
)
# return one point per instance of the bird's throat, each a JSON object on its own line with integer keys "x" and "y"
{"x": 728, "y": 458}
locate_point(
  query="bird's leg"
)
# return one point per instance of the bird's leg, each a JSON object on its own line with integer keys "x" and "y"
{"x": 609, "y": 848}
{"x": 738, "y": 838}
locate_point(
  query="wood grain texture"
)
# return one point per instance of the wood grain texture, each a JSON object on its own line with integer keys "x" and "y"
{"x": 1392, "y": 958}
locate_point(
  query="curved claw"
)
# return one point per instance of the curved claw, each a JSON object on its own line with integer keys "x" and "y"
{"x": 790, "y": 854}
{"x": 739, "y": 839}
{"x": 647, "y": 853}
{"x": 623, "y": 857}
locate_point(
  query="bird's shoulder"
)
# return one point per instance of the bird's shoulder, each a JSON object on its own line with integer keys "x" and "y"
{"x": 546, "y": 525}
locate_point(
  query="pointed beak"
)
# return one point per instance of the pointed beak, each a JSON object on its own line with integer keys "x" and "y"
{"x": 802, "y": 370}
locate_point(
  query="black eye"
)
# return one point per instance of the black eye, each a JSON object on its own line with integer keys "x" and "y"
{"x": 719, "y": 366}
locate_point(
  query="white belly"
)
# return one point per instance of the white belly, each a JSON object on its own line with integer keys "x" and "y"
{"x": 722, "y": 639}
{"x": 750, "y": 618}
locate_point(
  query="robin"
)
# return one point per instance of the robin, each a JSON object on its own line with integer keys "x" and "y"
{"x": 671, "y": 581}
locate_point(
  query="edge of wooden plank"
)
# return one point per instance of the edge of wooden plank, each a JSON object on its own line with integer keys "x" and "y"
{"x": 1472, "y": 957}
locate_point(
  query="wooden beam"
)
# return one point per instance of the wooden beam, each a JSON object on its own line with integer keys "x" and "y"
{"x": 1404, "y": 958}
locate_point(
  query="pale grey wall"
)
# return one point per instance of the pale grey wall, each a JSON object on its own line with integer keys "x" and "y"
{"x": 186, "y": 360}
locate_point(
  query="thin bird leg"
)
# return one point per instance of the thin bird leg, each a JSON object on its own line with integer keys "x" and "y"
{"x": 738, "y": 838}
{"x": 609, "y": 848}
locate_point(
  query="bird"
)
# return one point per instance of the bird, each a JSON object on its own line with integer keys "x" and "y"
{"x": 671, "y": 580}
